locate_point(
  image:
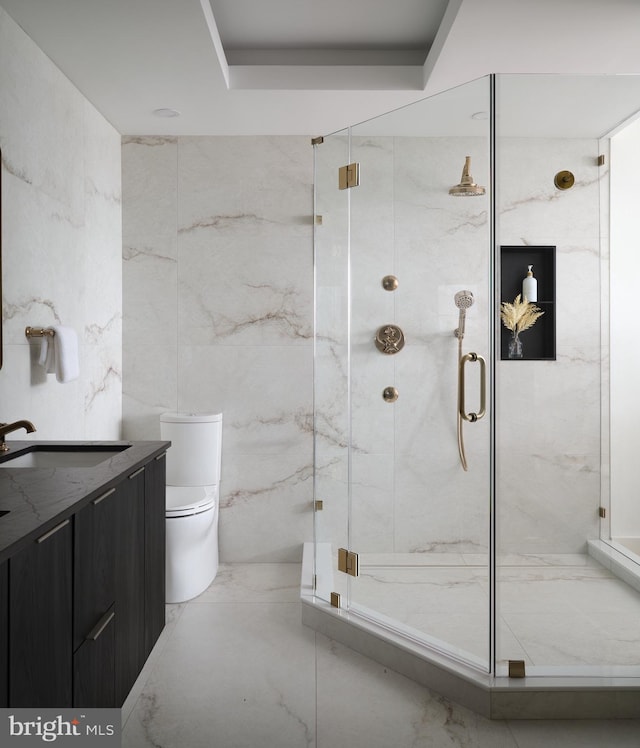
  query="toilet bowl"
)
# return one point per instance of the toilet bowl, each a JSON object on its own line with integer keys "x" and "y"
{"x": 192, "y": 503}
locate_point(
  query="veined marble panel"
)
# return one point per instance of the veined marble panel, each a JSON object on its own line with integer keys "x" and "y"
{"x": 234, "y": 380}
{"x": 257, "y": 492}
{"x": 150, "y": 188}
{"x": 244, "y": 289}
{"x": 61, "y": 244}
{"x": 42, "y": 129}
{"x": 150, "y": 388}
{"x": 218, "y": 252}
{"x": 37, "y": 282}
{"x": 548, "y": 502}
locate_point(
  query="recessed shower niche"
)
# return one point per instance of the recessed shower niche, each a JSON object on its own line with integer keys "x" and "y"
{"x": 476, "y": 583}
{"x": 539, "y": 341}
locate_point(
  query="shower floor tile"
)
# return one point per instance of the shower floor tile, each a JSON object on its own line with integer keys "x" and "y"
{"x": 552, "y": 610}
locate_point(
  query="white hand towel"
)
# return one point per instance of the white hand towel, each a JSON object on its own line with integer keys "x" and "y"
{"x": 47, "y": 355}
{"x": 65, "y": 345}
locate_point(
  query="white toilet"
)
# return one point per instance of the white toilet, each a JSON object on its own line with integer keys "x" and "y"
{"x": 193, "y": 491}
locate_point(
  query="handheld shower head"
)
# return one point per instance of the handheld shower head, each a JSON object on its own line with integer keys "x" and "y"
{"x": 463, "y": 300}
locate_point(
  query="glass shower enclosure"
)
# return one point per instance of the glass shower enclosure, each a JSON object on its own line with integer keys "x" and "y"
{"x": 462, "y": 488}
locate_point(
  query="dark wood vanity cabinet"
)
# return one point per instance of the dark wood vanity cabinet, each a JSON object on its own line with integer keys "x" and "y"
{"x": 40, "y": 620}
{"x": 154, "y": 550}
{"x": 140, "y": 571}
{"x": 129, "y": 544}
{"x": 4, "y": 635}
{"x": 82, "y": 606}
{"x": 94, "y": 608}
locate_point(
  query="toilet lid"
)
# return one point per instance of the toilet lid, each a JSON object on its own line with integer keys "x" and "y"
{"x": 190, "y": 417}
{"x": 183, "y": 500}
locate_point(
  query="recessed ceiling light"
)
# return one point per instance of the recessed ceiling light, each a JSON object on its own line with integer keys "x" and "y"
{"x": 166, "y": 112}
{"x": 479, "y": 115}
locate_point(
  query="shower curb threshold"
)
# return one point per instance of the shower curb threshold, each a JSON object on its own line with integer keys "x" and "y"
{"x": 494, "y": 697}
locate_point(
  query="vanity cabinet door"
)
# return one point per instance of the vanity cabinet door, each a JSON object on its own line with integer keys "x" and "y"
{"x": 94, "y": 674}
{"x": 40, "y": 621}
{"x": 129, "y": 609}
{"x": 94, "y": 603}
{"x": 155, "y": 550}
{"x": 4, "y": 635}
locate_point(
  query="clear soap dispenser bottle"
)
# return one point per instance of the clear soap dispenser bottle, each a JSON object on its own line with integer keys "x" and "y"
{"x": 530, "y": 286}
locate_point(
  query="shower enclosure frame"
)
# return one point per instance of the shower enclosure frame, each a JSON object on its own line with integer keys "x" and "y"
{"x": 492, "y": 693}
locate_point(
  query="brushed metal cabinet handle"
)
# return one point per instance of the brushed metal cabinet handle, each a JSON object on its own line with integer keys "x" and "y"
{"x": 137, "y": 472}
{"x": 104, "y": 496}
{"x": 53, "y": 531}
{"x": 101, "y": 625}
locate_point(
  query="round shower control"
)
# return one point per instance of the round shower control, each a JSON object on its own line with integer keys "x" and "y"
{"x": 389, "y": 339}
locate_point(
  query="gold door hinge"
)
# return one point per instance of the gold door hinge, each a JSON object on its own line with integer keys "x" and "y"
{"x": 516, "y": 669}
{"x": 348, "y": 562}
{"x": 318, "y": 505}
{"x": 335, "y": 599}
{"x": 602, "y": 512}
{"x": 601, "y": 160}
{"x": 317, "y": 141}
{"x": 348, "y": 176}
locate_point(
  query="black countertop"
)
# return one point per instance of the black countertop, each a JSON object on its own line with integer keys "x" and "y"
{"x": 37, "y": 499}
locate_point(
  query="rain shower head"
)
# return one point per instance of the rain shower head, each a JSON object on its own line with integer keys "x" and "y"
{"x": 466, "y": 187}
{"x": 463, "y": 300}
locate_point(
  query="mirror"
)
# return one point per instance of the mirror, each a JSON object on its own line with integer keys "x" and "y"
{"x": 1, "y": 169}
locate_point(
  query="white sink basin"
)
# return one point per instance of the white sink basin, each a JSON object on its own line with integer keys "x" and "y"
{"x": 54, "y": 458}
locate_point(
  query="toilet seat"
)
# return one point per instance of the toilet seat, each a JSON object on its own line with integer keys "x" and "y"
{"x": 184, "y": 501}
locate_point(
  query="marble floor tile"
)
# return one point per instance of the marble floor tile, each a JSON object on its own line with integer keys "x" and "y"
{"x": 618, "y": 733}
{"x": 254, "y": 583}
{"x": 231, "y": 675}
{"x": 172, "y": 614}
{"x": 364, "y": 705}
{"x": 235, "y": 668}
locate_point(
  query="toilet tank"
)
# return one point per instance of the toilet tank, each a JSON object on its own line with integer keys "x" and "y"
{"x": 196, "y": 448}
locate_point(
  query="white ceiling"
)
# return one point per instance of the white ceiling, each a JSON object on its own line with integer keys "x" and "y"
{"x": 311, "y": 66}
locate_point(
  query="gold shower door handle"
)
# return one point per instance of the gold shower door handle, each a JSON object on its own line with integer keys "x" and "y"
{"x": 472, "y": 417}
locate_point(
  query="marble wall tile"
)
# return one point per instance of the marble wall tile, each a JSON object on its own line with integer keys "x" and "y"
{"x": 61, "y": 244}
{"x": 226, "y": 271}
{"x": 242, "y": 273}
{"x": 150, "y": 188}
{"x": 257, "y": 492}
{"x": 150, "y": 387}
{"x": 549, "y": 412}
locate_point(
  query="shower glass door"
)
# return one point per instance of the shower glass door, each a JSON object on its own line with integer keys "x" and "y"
{"x": 394, "y": 255}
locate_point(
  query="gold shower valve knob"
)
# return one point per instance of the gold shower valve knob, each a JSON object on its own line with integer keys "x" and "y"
{"x": 389, "y": 339}
{"x": 564, "y": 180}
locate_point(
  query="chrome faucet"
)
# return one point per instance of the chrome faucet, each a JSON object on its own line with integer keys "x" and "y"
{"x": 7, "y": 428}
